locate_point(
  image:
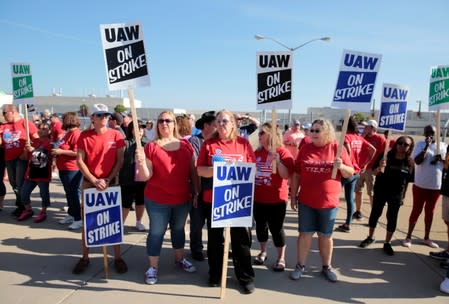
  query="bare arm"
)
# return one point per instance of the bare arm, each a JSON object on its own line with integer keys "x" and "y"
{"x": 144, "y": 166}
{"x": 281, "y": 168}
{"x": 294, "y": 186}
{"x": 205, "y": 171}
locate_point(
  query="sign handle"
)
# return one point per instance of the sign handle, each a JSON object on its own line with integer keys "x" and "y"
{"x": 438, "y": 126}
{"x": 342, "y": 140}
{"x": 134, "y": 116}
{"x": 27, "y": 127}
{"x": 387, "y": 145}
{"x": 224, "y": 272}
{"x": 105, "y": 262}
{"x": 273, "y": 136}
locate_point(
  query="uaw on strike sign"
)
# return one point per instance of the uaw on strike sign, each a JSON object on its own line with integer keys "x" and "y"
{"x": 233, "y": 194}
{"x": 103, "y": 217}
{"x": 124, "y": 54}
{"x": 356, "y": 80}
{"x": 274, "y": 80}
{"x": 22, "y": 83}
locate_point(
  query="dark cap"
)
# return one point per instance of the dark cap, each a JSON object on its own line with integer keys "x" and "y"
{"x": 117, "y": 117}
{"x": 205, "y": 118}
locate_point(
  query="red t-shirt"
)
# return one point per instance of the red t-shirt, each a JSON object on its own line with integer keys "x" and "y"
{"x": 14, "y": 137}
{"x": 379, "y": 142}
{"x": 39, "y": 161}
{"x": 222, "y": 150}
{"x": 271, "y": 188}
{"x": 169, "y": 184}
{"x": 56, "y": 131}
{"x": 314, "y": 166}
{"x": 359, "y": 150}
{"x": 100, "y": 150}
{"x": 69, "y": 142}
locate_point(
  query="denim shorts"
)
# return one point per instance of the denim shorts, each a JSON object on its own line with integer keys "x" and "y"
{"x": 312, "y": 220}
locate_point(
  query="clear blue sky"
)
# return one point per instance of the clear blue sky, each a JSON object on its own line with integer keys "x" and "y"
{"x": 202, "y": 53}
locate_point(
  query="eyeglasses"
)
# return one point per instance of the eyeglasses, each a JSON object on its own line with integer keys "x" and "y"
{"x": 261, "y": 133}
{"x": 315, "y": 131}
{"x": 167, "y": 121}
{"x": 223, "y": 121}
{"x": 101, "y": 115}
{"x": 402, "y": 143}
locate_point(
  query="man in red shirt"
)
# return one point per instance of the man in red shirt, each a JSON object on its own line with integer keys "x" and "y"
{"x": 378, "y": 141}
{"x": 100, "y": 157}
{"x": 13, "y": 138}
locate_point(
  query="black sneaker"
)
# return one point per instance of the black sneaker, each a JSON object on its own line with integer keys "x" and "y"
{"x": 249, "y": 288}
{"x": 366, "y": 242}
{"x": 441, "y": 256}
{"x": 198, "y": 256}
{"x": 388, "y": 249}
{"x": 18, "y": 211}
{"x": 357, "y": 215}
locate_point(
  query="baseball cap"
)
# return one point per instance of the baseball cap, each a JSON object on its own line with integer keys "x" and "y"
{"x": 372, "y": 123}
{"x": 117, "y": 117}
{"x": 206, "y": 117}
{"x": 306, "y": 126}
{"x": 99, "y": 108}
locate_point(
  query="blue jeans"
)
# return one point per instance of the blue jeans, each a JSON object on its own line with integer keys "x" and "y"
{"x": 28, "y": 187}
{"x": 16, "y": 173}
{"x": 71, "y": 181}
{"x": 160, "y": 216}
{"x": 349, "y": 186}
{"x": 316, "y": 220}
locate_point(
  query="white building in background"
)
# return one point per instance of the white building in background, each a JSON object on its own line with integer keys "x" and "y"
{"x": 60, "y": 104}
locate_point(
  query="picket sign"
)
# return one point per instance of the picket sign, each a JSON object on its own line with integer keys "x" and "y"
{"x": 273, "y": 140}
{"x": 134, "y": 117}
{"x": 224, "y": 271}
{"x": 27, "y": 127}
{"x": 342, "y": 140}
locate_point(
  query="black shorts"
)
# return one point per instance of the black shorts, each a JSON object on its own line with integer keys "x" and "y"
{"x": 132, "y": 193}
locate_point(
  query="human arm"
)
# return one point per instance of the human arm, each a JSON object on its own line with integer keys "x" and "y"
{"x": 294, "y": 186}
{"x": 100, "y": 184}
{"x": 419, "y": 158}
{"x": 144, "y": 165}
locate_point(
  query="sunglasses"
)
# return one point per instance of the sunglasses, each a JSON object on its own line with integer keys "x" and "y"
{"x": 6, "y": 112}
{"x": 167, "y": 121}
{"x": 223, "y": 121}
{"x": 101, "y": 115}
{"x": 315, "y": 131}
{"x": 261, "y": 133}
{"x": 402, "y": 143}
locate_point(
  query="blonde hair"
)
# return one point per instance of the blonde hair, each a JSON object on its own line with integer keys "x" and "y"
{"x": 234, "y": 132}
{"x": 276, "y": 141}
{"x": 327, "y": 129}
{"x": 175, "y": 134}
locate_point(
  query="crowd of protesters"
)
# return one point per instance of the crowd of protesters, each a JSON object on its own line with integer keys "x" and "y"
{"x": 171, "y": 178}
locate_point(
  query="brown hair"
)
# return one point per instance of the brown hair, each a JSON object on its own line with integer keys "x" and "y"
{"x": 70, "y": 120}
{"x": 184, "y": 125}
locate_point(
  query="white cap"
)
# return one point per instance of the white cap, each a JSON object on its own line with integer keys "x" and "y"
{"x": 99, "y": 108}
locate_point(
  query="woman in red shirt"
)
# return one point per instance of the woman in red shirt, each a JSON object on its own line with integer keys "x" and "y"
{"x": 319, "y": 194}
{"x": 271, "y": 194}
{"x": 225, "y": 145}
{"x": 70, "y": 175}
{"x": 168, "y": 164}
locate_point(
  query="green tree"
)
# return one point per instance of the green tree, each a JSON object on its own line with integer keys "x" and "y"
{"x": 120, "y": 108}
{"x": 359, "y": 116}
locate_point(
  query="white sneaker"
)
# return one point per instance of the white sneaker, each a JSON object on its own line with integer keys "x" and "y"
{"x": 66, "y": 220}
{"x": 186, "y": 265}
{"x": 151, "y": 276}
{"x": 444, "y": 286}
{"x": 76, "y": 225}
{"x": 140, "y": 226}
{"x": 407, "y": 243}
